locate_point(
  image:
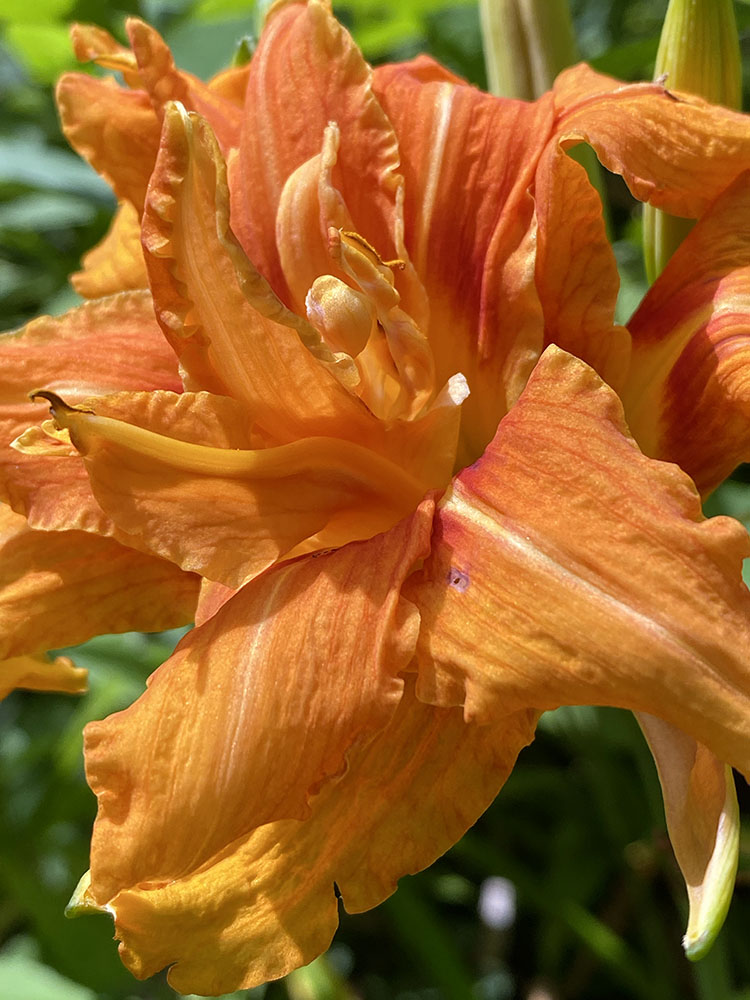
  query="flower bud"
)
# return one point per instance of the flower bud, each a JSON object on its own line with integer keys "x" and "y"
{"x": 699, "y": 53}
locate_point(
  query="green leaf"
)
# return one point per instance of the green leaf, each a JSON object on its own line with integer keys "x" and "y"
{"x": 46, "y": 212}
{"x": 38, "y": 12}
{"x": 24, "y": 977}
{"x": 27, "y": 159}
{"x": 44, "y": 49}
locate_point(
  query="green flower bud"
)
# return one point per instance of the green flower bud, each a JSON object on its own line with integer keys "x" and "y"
{"x": 699, "y": 52}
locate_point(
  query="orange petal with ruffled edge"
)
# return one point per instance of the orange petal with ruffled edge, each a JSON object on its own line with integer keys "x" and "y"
{"x": 38, "y": 673}
{"x": 100, "y": 347}
{"x": 232, "y": 334}
{"x": 116, "y": 263}
{"x": 687, "y": 398}
{"x": 468, "y": 161}
{"x": 567, "y": 568}
{"x": 164, "y": 82}
{"x": 577, "y": 84}
{"x": 60, "y": 588}
{"x": 700, "y": 803}
{"x": 267, "y": 903}
{"x": 114, "y": 129}
{"x": 307, "y": 72}
{"x": 576, "y": 272}
{"x": 183, "y": 478}
{"x": 708, "y": 146}
{"x": 92, "y": 43}
{"x": 256, "y": 711}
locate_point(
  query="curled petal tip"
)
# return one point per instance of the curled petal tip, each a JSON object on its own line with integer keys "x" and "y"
{"x": 709, "y": 903}
{"x": 82, "y": 902}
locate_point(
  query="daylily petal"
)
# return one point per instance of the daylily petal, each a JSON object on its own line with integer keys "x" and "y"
{"x": 468, "y": 161}
{"x": 576, "y": 271}
{"x": 568, "y": 568}
{"x": 257, "y": 710}
{"x": 41, "y": 674}
{"x": 164, "y": 83}
{"x": 577, "y": 84}
{"x": 232, "y": 334}
{"x": 267, "y": 904}
{"x": 675, "y": 151}
{"x": 115, "y": 129}
{"x": 183, "y": 477}
{"x": 100, "y": 347}
{"x": 59, "y": 588}
{"x": 307, "y": 72}
{"x": 91, "y": 43}
{"x": 687, "y": 398}
{"x": 700, "y": 803}
{"x": 116, "y": 263}
{"x": 231, "y": 84}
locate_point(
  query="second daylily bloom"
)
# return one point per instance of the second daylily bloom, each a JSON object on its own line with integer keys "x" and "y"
{"x": 423, "y": 475}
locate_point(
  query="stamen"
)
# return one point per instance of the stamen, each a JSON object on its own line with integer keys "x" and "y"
{"x": 407, "y": 344}
{"x": 370, "y": 249}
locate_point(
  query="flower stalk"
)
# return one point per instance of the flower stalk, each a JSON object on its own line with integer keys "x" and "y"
{"x": 526, "y": 44}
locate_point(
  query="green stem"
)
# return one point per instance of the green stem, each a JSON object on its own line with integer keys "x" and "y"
{"x": 526, "y": 44}
{"x": 317, "y": 981}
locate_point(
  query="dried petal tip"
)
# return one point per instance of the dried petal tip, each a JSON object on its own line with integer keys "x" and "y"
{"x": 709, "y": 902}
{"x": 57, "y": 405}
{"x": 58, "y": 408}
{"x": 82, "y": 903}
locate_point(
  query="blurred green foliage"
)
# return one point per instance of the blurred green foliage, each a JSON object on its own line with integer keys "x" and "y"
{"x": 579, "y": 829}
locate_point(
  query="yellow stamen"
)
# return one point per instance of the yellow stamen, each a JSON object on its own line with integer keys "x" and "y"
{"x": 370, "y": 249}
{"x": 308, "y": 455}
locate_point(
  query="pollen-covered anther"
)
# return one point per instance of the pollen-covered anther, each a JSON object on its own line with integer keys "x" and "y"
{"x": 57, "y": 406}
{"x": 343, "y": 316}
{"x": 361, "y": 261}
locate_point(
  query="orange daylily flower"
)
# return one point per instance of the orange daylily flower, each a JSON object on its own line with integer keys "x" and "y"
{"x": 397, "y": 577}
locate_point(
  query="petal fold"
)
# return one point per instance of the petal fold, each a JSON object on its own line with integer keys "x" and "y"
{"x": 267, "y": 905}
{"x": 38, "y": 673}
{"x": 114, "y": 129}
{"x": 102, "y": 346}
{"x": 165, "y": 83}
{"x": 183, "y": 478}
{"x": 687, "y": 397}
{"x": 256, "y": 711}
{"x": 675, "y": 151}
{"x": 703, "y": 820}
{"x": 468, "y": 161}
{"x": 116, "y": 263}
{"x": 232, "y": 334}
{"x": 575, "y": 270}
{"x": 306, "y": 73}
{"x": 61, "y": 588}
{"x": 568, "y": 568}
